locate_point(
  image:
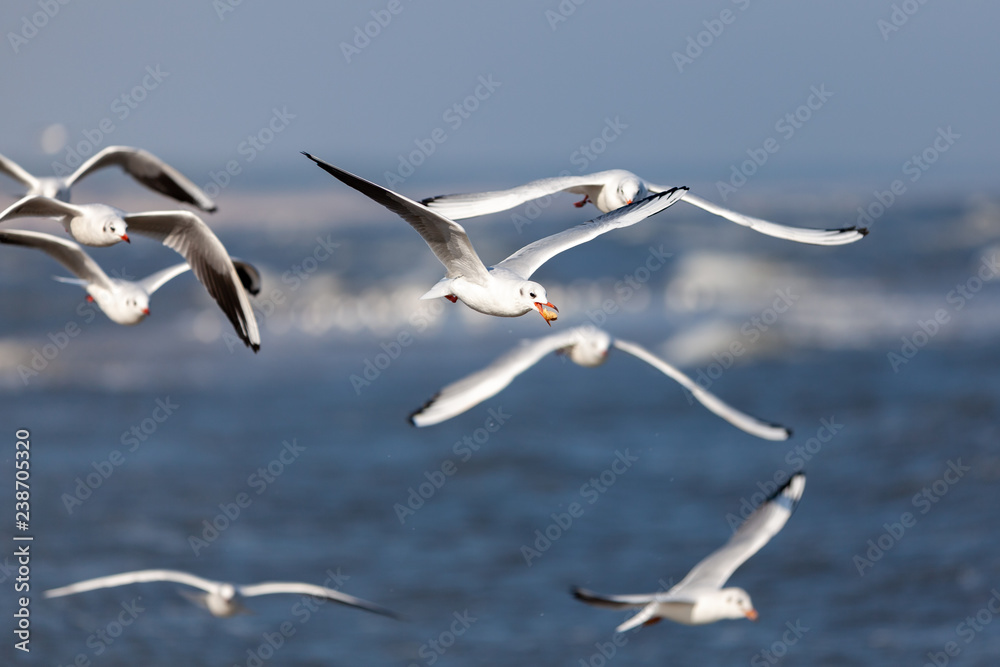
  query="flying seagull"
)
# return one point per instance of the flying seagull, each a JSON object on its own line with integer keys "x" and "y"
{"x": 503, "y": 289}
{"x": 123, "y": 301}
{"x": 699, "y": 598}
{"x": 141, "y": 165}
{"x": 610, "y": 190}
{"x": 586, "y": 346}
{"x": 221, "y": 598}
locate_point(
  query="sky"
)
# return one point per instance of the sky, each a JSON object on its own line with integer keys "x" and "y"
{"x": 495, "y": 93}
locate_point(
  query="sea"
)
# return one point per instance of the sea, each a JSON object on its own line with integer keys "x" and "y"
{"x": 171, "y": 445}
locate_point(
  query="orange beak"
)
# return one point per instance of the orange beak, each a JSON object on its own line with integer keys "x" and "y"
{"x": 145, "y": 311}
{"x": 124, "y": 237}
{"x": 548, "y": 311}
{"x": 628, "y": 201}
{"x": 752, "y": 615}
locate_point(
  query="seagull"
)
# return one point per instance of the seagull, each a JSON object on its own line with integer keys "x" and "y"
{"x": 610, "y": 190}
{"x": 699, "y": 598}
{"x": 141, "y": 165}
{"x": 586, "y": 346}
{"x": 504, "y": 289}
{"x": 182, "y": 231}
{"x": 123, "y": 301}
{"x": 222, "y": 599}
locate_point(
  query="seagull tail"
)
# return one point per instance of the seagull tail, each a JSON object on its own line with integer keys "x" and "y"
{"x": 647, "y": 614}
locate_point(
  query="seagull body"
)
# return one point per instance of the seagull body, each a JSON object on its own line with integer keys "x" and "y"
{"x": 221, "y": 598}
{"x": 502, "y": 290}
{"x": 699, "y": 598}
{"x": 609, "y": 191}
{"x": 96, "y": 225}
{"x": 127, "y": 302}
{"x": 141, "y": 165}
{"x": 586, "y": 346}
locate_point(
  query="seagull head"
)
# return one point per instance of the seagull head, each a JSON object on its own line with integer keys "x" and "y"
{"x": 134, "y": 305}
{"x": 534, "y": 294}
{"x": 736, "y": 603}
{"x": 114, "y": 229}
{"x": 591, "y": 346}
{"x": 631, "y": 189}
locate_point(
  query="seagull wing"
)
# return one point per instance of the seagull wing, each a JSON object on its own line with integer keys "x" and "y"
{"x": 67, "y": 253}
{"x": 188, "y": 235}
{"x": 37, "y": 206}
{"x": 797, "y": 234}
{"x": 472, "y": 390}
{"x": 612, "y": 601}
{"x": 132, "y": 578}
{"x": 758, "y": 529}
{"x": 271, "y": 587}
{"x": 526, "y": 261}
{"x": 249, "y": 276}
{"x": 155, "y": 281}
{"x": 461, "y": 206}
{"x": 10, "y": 168}
{"x": 446, "y": 238}
{"x": 148, "y": 170}
{"x": 740, "y": 420}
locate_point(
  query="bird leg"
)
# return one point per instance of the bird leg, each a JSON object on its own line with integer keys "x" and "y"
{"x": 653, "y": 621}
{"x": 582, "y": 202}
{"x": 451, "y": 297}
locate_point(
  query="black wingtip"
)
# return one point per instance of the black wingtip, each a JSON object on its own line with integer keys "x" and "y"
{"x": 422, "y": 408}
{"x": 211, "y": 209}
{"x": 781, "y": 490}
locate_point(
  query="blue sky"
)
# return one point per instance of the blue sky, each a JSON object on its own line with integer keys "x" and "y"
{"x": 689, "y": 88}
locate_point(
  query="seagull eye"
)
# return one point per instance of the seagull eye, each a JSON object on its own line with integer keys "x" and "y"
{"x": 531, "y": 294}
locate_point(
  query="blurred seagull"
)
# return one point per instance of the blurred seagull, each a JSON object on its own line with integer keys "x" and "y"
{"x": 181, "y": 231}
{"x": 222, "y": 599}
{"x": 699, "y": 598}
{"x": 141, "y": 165}
{"x": 610, "y": 190}
{"x": 504, "y": 289}
{"x": 586, "y": 346}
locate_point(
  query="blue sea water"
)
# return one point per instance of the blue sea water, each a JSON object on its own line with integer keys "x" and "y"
{"x": 845, "y": 583}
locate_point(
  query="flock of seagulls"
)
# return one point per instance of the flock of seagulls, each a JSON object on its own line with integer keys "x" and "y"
{"x": 504, "y": 289}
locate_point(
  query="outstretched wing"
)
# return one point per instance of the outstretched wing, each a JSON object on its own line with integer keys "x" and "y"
{"x": 10, "y": 168}
{"x": 188, "y": 235}
{"x": 446, "y": 238}
{"x": 612, "y": 601}
{"x": 526, "y": 261}
{"x": 461, "y": 206}
{"x": 66, "y": 252}
{"x": 148, "y": 170}
{"x": 472, "y": 390}
{"x": 740, "y": 420}
{"x": 131, "y": 578}
{"x": 756, "y": 531}
{"x": 271, "y": 587}
{"x": 37, "y": 206}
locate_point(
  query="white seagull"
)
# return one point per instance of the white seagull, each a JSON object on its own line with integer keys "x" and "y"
{"x": 504, "y": 289}
{"x": 123, "y": 301}
{"x": 141, "y": 165}
{"x": 221, "y": 598}
{"x": 586, "y": 346}
{"x": 699, "y": 598}
{"x": 182, "y": 231}
{"x": 610, "y": 190}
